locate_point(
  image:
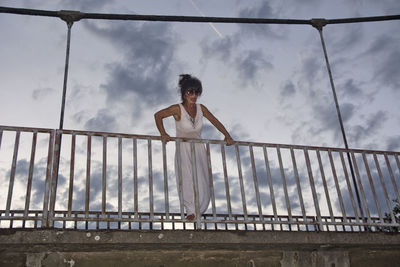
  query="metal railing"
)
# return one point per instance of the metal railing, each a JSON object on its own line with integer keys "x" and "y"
{"x": 98, "y": 180}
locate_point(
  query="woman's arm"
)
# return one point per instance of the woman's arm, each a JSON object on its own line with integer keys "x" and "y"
{"x": 214, "y": 121}
{"x": 164, "y": 113}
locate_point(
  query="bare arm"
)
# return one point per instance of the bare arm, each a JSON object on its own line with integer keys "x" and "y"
{"x": 214, "y": 121}
{"x": 164, "y": 113}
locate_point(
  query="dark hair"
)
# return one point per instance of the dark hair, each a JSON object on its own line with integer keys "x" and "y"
{"x": 186, "y": 82}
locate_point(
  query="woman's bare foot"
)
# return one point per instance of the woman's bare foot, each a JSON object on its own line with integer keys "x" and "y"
{"x": 190, "y": 217}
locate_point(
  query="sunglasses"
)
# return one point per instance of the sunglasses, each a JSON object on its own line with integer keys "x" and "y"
{"x": 193, "y": 91}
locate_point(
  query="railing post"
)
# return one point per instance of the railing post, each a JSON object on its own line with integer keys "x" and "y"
{"x": 54, "y": 177}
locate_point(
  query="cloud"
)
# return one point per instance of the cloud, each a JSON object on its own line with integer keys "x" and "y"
{"x": 393, "y": 143}
{"x": 142, "y": 77}
{"x": 369, "y": 127}
{"x": 102, "y": 121}
{"x": 383, "y": 51}
{"x": 40, "y": 93}
{"x": 349, "y": 37}
{"x": 351, "y": 89}
{"x": 388, "y": 71}
{"x": 287, "y": 89}
{"x": 86, "y": 5}
{"x": 221, "y": 48}
{"x": 263, "y": 10}
{"x": 250, "y": 64}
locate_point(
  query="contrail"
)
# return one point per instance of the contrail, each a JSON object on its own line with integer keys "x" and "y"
{"x": 202, "y": 14}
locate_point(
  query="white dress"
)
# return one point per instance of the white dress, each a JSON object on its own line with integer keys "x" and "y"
{"x": 188, "y": 128}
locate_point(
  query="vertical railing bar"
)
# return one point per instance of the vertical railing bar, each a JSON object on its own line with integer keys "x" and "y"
{"x": 179, "y": 175}
{"x": 1, "y": 136}
{"x": 48, "y": 179}
{"x": 54, "y": 177}
{"x": 341, "y": 203}
{"x": 165, "y": 169}
{"x": 71, "y": 174}
{"x": 371, "y": 182}
{"x": 228, "y": 197}
{"x": 88, "y": 160}
{"x": 325, "y": 184}
{"x": 256, "y": 188}
{"x": 314, "y": 193}
{"x": 151, "y": 199}
{"x": 104, "y": 179}
{"x": 296, "y": 174}
{"x": 30, "y": 175}
{"x": 239, "y": 165}
{"x": 349, "y": 188}
{"x": 12, "y": 173}
{"x": 388, "y": 203}
{"x": 361, "y": 188}
{"x": 397, "y": 161}
{"x": 210, "y": 176}
{"x": 135, "y": 180}
{"x": 392, "y": 178}
{"x": 119, "y": 177}
{"x": 270, "y": 185}
{"x": 278, "y": 151}
{"x": 195, "y": 183}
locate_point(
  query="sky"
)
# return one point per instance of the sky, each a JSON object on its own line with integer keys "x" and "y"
{"x": 265, "y": 83}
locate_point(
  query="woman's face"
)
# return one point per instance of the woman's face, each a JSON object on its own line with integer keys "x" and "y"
{"x": 191, "y": 95}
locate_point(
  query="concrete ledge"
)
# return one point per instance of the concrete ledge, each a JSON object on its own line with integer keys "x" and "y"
{"x": 68, "y": 239}
{"x": 52, "y": 247}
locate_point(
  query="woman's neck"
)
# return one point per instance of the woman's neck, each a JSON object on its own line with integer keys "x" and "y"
{"x": 189, "y": 105}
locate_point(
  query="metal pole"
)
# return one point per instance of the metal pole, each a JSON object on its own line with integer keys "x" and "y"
{"x": 319, "y": 24}
{"x": 69, "y": 25}
{"x": 69, "y": 17}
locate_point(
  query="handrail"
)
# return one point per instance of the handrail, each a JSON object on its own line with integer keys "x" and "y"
{"x": 210, "y": 141}
{"x": 255, "y": 186}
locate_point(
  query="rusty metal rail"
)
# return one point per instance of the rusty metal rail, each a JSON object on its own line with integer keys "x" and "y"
{"x": 124, "y": 181}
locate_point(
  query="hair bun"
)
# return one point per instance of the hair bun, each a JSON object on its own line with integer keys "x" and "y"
{"x": 184, "y": 77}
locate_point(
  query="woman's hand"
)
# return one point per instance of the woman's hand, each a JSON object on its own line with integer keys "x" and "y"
{"x": 165, "y": 138}
{"x": 229, "y": 141}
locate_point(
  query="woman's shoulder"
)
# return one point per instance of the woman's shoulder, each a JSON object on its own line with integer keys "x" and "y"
{"x": 203, "y": 108}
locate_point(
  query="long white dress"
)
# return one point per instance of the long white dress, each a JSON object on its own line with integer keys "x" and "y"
{"x": 188, "y": 128}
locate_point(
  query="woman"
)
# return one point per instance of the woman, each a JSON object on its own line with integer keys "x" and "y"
{"x": 189, "y": 122}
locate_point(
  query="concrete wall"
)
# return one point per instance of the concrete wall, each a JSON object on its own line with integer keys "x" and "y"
{"x": 50, "y": 247}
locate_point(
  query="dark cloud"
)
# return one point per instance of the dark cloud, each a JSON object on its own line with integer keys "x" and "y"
{"x": 384, "y": 54}
{"x": 221, "y": 48}
{"x": 210, "y": 132}
{"x": 326, "y": 115}
{"x": 388, "y": 71}
{"x": 287, "y": 89}
{"x": 344, "y": 39}
{"x": 393, "y": 143}
{"x": 369, "y": 127}
{"x": 142, "y": 77}
{"x": 102, "y": 121}
{"x": 263, "y": 10}
{"x": 311, "y": 71}
{"x": 40, "y": 93}
{"x": 351, "y": 89}
{"x": 250, "y": 64}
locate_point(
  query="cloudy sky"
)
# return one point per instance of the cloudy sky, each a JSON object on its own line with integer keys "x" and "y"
{"x": 266, "y": 83}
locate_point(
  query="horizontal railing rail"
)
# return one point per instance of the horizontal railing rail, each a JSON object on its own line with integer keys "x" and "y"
{"x": 99, "y": 180}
